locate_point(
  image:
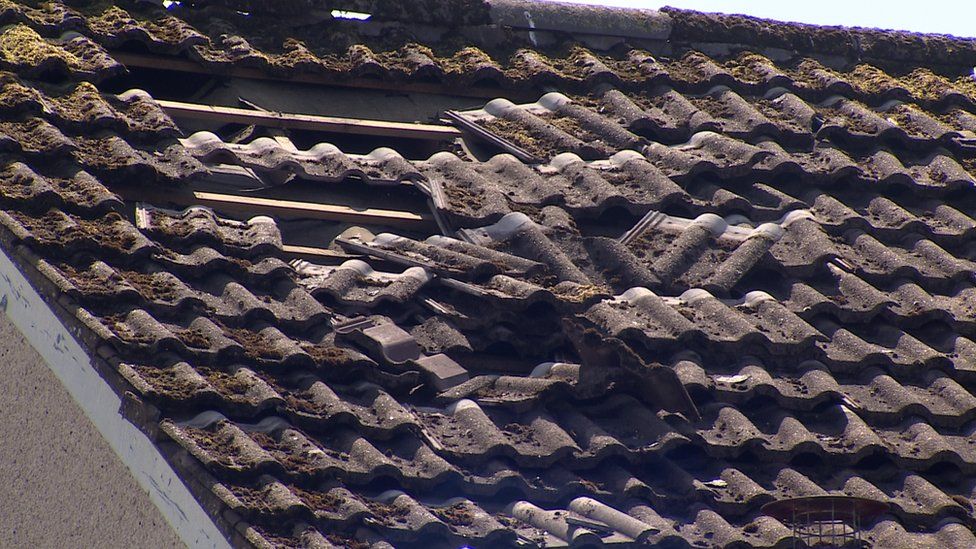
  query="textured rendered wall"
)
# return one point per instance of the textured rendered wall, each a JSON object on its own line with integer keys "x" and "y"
{"x": 60, "y": 483}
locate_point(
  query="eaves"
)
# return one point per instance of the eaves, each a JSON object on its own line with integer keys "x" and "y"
{"x": 123, "y": 422}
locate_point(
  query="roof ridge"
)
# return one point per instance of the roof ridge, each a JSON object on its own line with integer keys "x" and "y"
{"x": 851, "y": 43}
{"x": 547, "y": 26}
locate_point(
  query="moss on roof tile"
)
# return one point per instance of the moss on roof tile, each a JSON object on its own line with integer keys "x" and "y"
{"x": 21, "y": 45}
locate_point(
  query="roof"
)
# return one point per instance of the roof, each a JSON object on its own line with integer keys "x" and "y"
{"x": 673, "y": 271}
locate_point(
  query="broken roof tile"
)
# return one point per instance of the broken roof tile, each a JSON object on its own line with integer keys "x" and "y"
{"x": 779, "y": 246}
{"x": 323, "y": 162}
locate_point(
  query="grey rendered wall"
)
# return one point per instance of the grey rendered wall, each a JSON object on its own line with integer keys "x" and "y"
{"x": 61, "y": 485}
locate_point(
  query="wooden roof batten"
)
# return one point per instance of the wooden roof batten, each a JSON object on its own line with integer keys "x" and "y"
{"x": 309, "y": 122}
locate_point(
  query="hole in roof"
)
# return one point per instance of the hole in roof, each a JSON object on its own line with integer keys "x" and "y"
{"x": 267, "y": 105}
{"x": 618, "y": 217}
{"x": 161, "y": 84}
{"x": 354, "y": 15}
{"x": 280, "y": 104}
{"x": 480, "y": 149}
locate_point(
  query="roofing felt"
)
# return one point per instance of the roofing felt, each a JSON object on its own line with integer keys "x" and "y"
{"x": 787, "y": 312}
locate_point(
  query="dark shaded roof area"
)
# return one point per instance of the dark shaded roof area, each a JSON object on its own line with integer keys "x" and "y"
{"x": 686, "y": 283}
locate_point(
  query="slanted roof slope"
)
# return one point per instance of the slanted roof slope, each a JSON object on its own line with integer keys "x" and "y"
{"x": 668, "y": 278}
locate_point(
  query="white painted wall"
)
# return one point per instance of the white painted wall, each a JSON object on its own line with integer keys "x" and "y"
{"x": 60, "y": 480}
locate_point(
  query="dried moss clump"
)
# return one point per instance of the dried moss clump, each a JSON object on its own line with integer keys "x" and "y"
{"x": 455, "y": 515}
{"x": 578, "y": 293}
{"x": 319, "y": 500}
{"x": 903, "y": 117}
{"x": 871, "y": 80}
{"x": 112, "y": 21}
{"x": 168, "y": 383}
{"x": 21, "y": 45}
{"x": 152, "y": 287}
{"x": 693, "y": 67}
{"x": 750, "y": 67}
{"x": 85, "y": 104}
{"x": 467, "y": 60}
{"x": 811, "y": 74}
{"x": 256, "y": 346}
{"x": 518, "y": 135}
{"x": 925, "y": 85}
{"x": 17, "y": 97}
{"x": 325, "y": 355}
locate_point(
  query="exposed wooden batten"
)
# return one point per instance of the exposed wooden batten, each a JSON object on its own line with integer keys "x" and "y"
{"x": 180, "y": 64}
{"x": 316, "y": 254}
{"x": 404, "y": 130}
{"x": 249, "y": 206}
{"x": 252, "y": 205}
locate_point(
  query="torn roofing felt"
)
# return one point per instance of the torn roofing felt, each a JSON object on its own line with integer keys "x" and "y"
{"x": 665, "y": 279}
